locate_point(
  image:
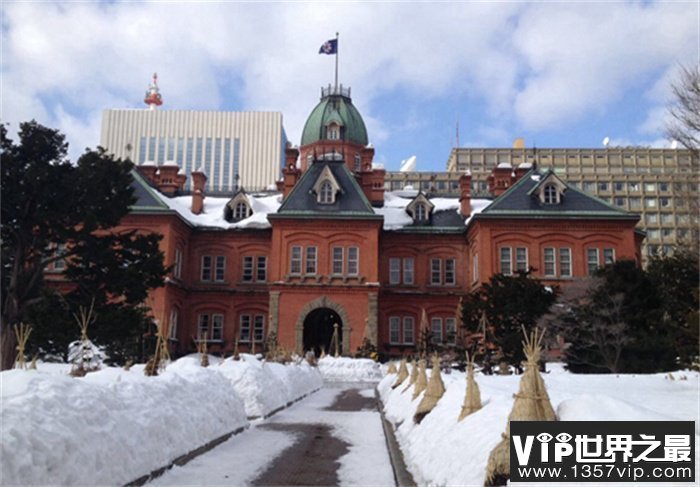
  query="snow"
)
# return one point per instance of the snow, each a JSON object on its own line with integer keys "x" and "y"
{"x": 344, "y": 369}
{"x": 435, "y": 450}
{"x": 55, "y": 426}
{"x": 213, "y": 212}
{"x": 395, "y": 202}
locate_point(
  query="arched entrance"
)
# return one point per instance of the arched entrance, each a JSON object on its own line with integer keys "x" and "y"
{"x": 318, "y": 330}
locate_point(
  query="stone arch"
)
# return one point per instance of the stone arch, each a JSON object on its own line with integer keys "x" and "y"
{"x": 323, "y": 302}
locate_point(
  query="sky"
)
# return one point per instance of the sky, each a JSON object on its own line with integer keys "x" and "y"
{"x": 558, "y": 74}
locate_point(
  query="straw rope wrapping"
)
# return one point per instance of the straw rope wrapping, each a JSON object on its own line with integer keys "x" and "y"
{"x": 472, "y": 396}
{"x": 531, "y": 404}
{"x": 413, "y": 377}
{"x": 421, "y": 380}
{"x": 403, "y": 374}
{"x": 392, "y": 368}
{"x": 433, "y": 393}
{"x": 22, "y": 333}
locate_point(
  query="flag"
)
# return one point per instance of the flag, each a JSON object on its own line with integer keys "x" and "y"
{"x": 329, "y": 47}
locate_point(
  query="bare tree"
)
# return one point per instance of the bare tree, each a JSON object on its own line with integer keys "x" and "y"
{"x": 685, "y": 110}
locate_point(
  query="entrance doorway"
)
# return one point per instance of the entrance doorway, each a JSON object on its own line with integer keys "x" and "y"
{"x": 318, "y": 331}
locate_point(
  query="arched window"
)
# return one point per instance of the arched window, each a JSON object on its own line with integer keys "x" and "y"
{"x": 325, "y": 196}
{"x": 241, "y": 211}
{"x": 550, "y": 195}
{"x": 421, "y": 212}
{"x": 333, "y": 132}
{"x": 358, "y": 162}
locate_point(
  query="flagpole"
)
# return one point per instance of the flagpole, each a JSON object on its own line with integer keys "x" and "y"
{"x": 336, "y": 62}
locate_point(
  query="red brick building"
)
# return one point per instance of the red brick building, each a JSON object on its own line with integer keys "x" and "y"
{"x": 333, "y": 247}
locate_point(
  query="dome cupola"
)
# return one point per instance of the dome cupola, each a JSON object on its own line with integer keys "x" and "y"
{"x": 335, "y": 118}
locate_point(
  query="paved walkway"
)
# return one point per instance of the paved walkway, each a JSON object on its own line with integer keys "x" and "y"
{"x": 333, "y": 437}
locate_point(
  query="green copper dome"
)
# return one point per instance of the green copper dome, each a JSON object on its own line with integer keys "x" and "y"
{"x": 335, "y": 107}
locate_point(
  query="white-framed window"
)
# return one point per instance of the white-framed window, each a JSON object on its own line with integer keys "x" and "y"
{"x": 550, "y": 264}
{"x": 353, "y": 261}
{"x": 408, "y": 330}
{"x": 172, "y": 324}
{"x": 206, "y": 268}
{"x": 333, "y": 132}
{"x": 177, "y": 268}
{"x": 565, "y": 262}
{"x": 451, "y": 331}
{"x": 475, "y": 267}
{"x": 220, "y": 268}
{"x": 240, "y": 212}
{"x": 261, "y": 271}
{"x": 592, "y": 260}
{"x": 338, "y": 260}
{"x": 325, "y": 195}
{"x": 608, "y": 256}
{"x": 358, "y": 162}
{"x": 248, "y": 268}
{"x": 251, "y": 327}
{"x": 295, "y": 261}
{"x": 521, "y": 259}
{"x": 60, "y": 263}
{"x": 217, "y": 327}
{"x": 421, "y": 212}
{"x": 394, "y": 270}
{"x": 408, "y": 266}
{"x": 435, "y": 271}
{"x": 551, "y": 196}
{"x": 310, "y": 260}
{"x": 506, "y": 261}
{"x": 203, "y": 327}
{"x": 259, "y": 328}
{"x": 394, "y": 330}
{"x": 244, "y": 330}
{"x": 436, "y": 330}
{"x": 450, "y": 272}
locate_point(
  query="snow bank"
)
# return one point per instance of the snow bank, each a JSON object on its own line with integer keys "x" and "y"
{"x": 343, "y": 369}
{"x": 114, "y": 426}
{"x": 435, "y": 451}
{"x": 110, "y": 427}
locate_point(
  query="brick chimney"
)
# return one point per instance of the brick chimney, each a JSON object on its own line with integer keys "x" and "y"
{"x": 199, "y": 180}
{"x": 290, "y": 176}
{"x": 502, "y": 177}
{"x": 465, "y": 194}
{"x": 372, "y": 183}
{"x": 168, "y": 181}
{"x": 291, "y": 154}
{"x": 148, "y": 171}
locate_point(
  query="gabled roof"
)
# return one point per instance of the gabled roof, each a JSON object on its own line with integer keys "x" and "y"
{"x": 350, "y": 201}
{"x": 147, "y": 199}
{"x": 521, "y": 201}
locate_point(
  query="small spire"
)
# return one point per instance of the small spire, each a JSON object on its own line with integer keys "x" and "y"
{"x": 153, "y": 98}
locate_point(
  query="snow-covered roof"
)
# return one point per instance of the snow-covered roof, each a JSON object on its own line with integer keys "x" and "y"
{"x": 393, "y": 211}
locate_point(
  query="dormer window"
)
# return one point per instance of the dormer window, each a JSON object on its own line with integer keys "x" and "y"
{"x": 420, "y": 209}
{"x": 238, "y": 208}
{"x": 551, "y": 195}
{"x": 241, "y": 212}
{"x": 420, "y": 212}
{"x": 326, "y": 187}
{"x": 325, "y": 196}
{"x": 333, "y": 132}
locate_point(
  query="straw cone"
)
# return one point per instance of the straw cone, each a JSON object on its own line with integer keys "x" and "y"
{"x": 413, "y": 377}
{"x": 472, "y": 397}
{"x": 421, "y": 380}
{"x": 531, "y": 404}
{"x": 403, "y": 374}
{"x": 392, "y": 368}
{"x": 433, "y": 393}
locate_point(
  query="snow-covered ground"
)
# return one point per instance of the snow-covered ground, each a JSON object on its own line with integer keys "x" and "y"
{"x": 113, "y": 426}
{"x": 442, "y": 451}
{"x": 343, "y": 369}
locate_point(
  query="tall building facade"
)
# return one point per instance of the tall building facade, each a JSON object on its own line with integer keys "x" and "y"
{"x": 234, "y": 149}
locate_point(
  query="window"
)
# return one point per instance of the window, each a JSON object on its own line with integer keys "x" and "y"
{"x": 667, "y": 232}
{"x": 241, "y": 211}
{"x": 550, "y": 194}
{"x": 220, "y": 268}
{"x": 650, "y": 202}
{"x": 650, "y": 187}
{"x": 408, "y": 334}
{"x": 210, "y": 328}
{"x": 245, "y": 328}
{"x": 506, "y": 261}
{"x": 262, "y": 269}
{"x": 217, "y": 327}
{"x": 451, "y": 331}
{"x": 665, "y": 202}
{"x": 259, "y": 328}
{"x": 521, "y": 259}
{"x": 635, "y": 203}
{"x": 602, "y": 186}
{"x": 394, "y": 271}
{"x": 60, "y": 263}
{"x": 450, "y": 278}
{"x": 177, "y": 269}
{"x": 247, "y": 269}
{"x": 565, "y": 262}
{"x": 619, "y": 186}
{"x": 203, "y": 327}
{"x": 435, "y": 271}
{"x": 310, "y": 260}
{"x": 206, "y": 268}
{"x": 333, "y": 132}
{"x": 667, "y": 218}
{"x": 358, "y": 162}
{"x": 172, "y": 325}
{"x": 436, "y": 329}
{"x": 475, "y": 267}
{"x": 550, "y": 265}
{"x": 421, "y": 212}
{"x": 353, "y": 261}
{"x": 608, "y": 256}
{"x": 325, "y": 196}
{"x": 651, "y": 218}
{"x": 592, "y": 260}
{"x": 619, "y": 201}
{"x": 295, "y": 262}
{"x": 633, "y": 185}
{"x": 663, "y": 186}
{"x": 252, "y": 326}
{"x": 408, "y": 270}
{"x": 337, "y": 260}
{"x": 394, "y": 329}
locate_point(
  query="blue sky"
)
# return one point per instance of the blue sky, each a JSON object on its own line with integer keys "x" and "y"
{"x": 559, "y": 74}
